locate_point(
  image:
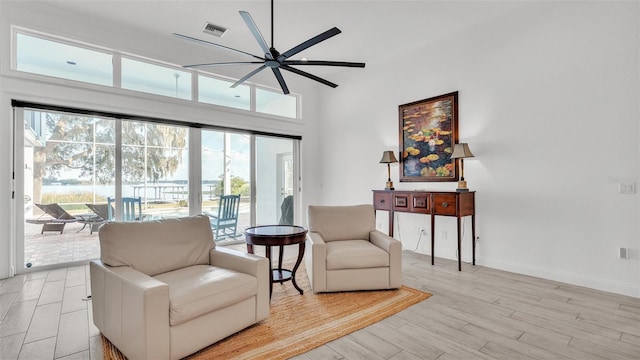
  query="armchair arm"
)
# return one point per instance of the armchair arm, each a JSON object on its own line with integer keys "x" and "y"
{"x": 394, "y": 248}
{"x": 384, "y": 241}
{"x": 316, "y": 262}
{"x": 249, "y": 264}
{"x": 131, "y": 309}
{"x": 236, "y": 260}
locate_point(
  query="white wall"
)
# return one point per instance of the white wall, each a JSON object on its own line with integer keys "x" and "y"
{"x": 549, "y": 103}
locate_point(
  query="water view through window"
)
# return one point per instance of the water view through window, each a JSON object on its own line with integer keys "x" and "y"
{"x": 73, "y": 162}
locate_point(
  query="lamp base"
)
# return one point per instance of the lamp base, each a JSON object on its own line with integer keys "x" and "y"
{"x": 389, "y": 186}
{"x": 462, "y": 186}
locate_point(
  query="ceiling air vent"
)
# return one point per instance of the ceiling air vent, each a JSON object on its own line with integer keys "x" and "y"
{"x": 214, "y": 29}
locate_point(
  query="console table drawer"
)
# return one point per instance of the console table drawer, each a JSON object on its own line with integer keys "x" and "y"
{"x": 420, "y": 203}
{"x": 444, "y": 204}
{"x": 401, "y": 201}
{"x": 382, "y": 200}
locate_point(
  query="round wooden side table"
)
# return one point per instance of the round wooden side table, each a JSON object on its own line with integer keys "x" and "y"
{"x": 278, "y": 235}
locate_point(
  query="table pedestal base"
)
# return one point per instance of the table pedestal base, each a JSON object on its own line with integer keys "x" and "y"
{"x": 280, "y": 274}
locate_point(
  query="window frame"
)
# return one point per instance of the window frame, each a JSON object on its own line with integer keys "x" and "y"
{"x": 117, "y": 57}
{"x": 195, "y": 175}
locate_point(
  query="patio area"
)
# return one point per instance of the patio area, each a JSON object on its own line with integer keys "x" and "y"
{"x": 78, "y": 244}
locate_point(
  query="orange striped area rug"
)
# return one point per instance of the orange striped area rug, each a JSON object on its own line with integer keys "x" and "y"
{"x": 298, "y": 323}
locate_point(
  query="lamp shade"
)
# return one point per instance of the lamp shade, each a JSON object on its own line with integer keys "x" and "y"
{"x": 461, "y": 151}
{"x": 388, "y": 157}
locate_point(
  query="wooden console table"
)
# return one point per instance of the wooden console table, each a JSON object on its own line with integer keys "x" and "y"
{"x": 441, "y": 203}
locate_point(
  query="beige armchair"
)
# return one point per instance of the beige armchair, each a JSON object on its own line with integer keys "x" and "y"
{"x": 163, "y": 290}
{"x": 345, "y": 251}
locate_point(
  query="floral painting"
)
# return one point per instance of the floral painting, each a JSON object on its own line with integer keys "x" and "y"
{"x": 428, "y": 131}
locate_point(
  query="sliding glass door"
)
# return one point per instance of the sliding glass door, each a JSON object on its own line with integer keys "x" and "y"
{"x": 226, "y": 170}
{"x": 274, "y": 180}
{"x": 68, "y": 162}
{"x": 79, "y": 170}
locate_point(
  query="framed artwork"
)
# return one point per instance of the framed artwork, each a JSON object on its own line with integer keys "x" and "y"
{"x": 428, "y": 132}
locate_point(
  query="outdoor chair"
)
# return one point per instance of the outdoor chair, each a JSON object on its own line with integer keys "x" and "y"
{"x": 101, "y": 212}
{"x": 131, "y": 209}
{"x": 53, "y": 218}
{"x": 286, "y": 218}
{"x": 226, "y": 222}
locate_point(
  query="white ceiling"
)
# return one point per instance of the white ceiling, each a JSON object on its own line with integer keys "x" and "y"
{"x": 372, "y": 31}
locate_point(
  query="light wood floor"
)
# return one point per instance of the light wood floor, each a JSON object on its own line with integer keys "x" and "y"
{"x": 479, "y": 313}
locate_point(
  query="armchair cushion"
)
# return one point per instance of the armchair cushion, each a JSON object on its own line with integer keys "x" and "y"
{"x": 355, "y": 254}
{"x": 342, "y": 222}
{"x": 175, "y": 243}
{"x": 197, "y": 290}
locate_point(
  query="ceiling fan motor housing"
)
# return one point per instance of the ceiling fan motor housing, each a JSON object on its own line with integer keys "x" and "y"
{"x": 272, "y": 59}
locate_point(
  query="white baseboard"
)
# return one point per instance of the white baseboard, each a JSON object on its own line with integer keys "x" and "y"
{"x": 608, "y": 285}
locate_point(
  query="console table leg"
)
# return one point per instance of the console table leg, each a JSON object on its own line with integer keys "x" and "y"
{"x": 459, "y": 247}
{"x": 473, "y": 239}
{"x": 433, "y": 239}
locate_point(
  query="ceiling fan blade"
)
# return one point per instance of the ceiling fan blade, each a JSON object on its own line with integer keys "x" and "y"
{"x": 223, "y": 63}
{"x": 314, "y": 40}
{"x": 185, "y": 37}
{"x": 283, "y": 85}
{"x": 307, "y": 75}
{"x": 256, "y": 34}
{"x": 244, "y": 78}
{"x": 325, "y": 63}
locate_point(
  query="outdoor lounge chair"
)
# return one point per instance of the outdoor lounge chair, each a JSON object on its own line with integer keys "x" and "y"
{"x": 101, "y": 212}
{"x": 53, "y": 218}
{"x": 226, "y": 222}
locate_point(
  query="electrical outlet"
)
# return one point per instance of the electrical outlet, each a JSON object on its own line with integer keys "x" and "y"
{"x": 627, "y": 188}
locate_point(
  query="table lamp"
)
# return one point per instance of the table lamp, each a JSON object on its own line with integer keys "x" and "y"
{"x": 461, "y": 151}
{"x": 388, "y": 157}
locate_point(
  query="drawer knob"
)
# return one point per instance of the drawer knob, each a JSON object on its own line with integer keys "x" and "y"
{"x": 445, "y": 204}
{"x": 382, "y": 201}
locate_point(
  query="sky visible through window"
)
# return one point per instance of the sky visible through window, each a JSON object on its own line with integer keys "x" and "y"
{"x": 50, "y": 58}
{"x": 57, "y": 59}
{"x": 213, "y": 156}
{"x": 155, "y": 79}
{"x": 220, "y": 92}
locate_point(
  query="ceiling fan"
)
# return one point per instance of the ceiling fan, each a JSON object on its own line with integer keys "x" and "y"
{"x": 273, "y": 58}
